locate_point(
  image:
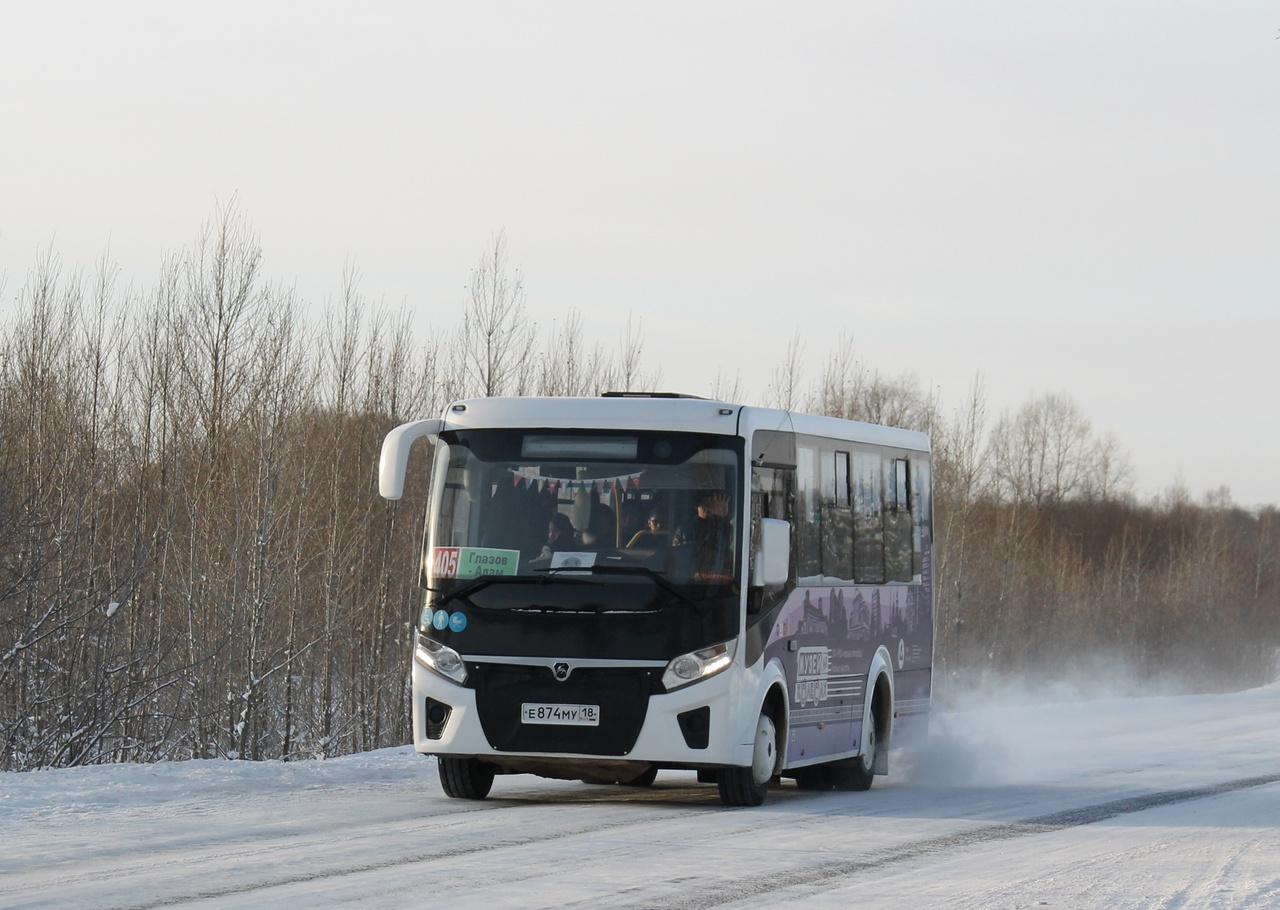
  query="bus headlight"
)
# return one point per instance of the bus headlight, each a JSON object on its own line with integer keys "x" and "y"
{"x": 441, "y": 659}
{"x": 698, "y": 665}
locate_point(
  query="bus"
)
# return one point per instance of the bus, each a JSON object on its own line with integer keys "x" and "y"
{"x": 619, "y": 585}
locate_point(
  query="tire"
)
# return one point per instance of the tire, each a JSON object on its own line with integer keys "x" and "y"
{"x": 465, "y": 778}
{"x": 816, "y": 777}
{"x": 858, "y": 773}
{"x": 644, "y": 779}
{"x": 748, "y": 786}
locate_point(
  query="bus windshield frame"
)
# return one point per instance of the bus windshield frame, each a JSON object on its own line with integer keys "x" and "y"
{"x": 651, "y": 520}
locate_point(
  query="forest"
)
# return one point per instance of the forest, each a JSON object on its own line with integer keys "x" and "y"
{"x": 194, "y": 560}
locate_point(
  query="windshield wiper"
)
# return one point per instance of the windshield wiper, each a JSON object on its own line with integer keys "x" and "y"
{"x": 653, "y": 574}
{"x": 484, "y": 581}
{"x": 557, "y": 608}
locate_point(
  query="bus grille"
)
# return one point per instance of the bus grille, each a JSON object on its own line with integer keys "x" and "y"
{"x": 621, "y": 693}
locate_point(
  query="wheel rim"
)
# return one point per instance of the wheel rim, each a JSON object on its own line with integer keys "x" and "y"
{"x": 765, "y": 754}
{"x": 869, "y": 752}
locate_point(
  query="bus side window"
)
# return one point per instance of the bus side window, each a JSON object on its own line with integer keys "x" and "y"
{"x": 772, "y": 492}
{"x": 807, "y": 519}
{"x": 868, "y": 519}
{"x": 898, "y": 528}
{"x": 837, "y": 517}
{"x": 921, "y": 518}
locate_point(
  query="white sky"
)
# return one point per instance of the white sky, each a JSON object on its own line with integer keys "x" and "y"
{"x": 1064, "y": 195}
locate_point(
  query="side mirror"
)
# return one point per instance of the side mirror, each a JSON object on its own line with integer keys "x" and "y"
{"x": 773, "y": 559}
{"x": 395, "y": 454}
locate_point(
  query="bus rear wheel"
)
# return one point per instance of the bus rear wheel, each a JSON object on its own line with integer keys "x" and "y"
{"x": 858, "y": 773}
{"x": 465, "y": 778}
{"x": 816, "y": 777}
{"x": 748, "y": 786}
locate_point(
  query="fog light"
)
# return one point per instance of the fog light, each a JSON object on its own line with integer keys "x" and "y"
{"x": 437, "y": 715}
{"x": 695, "y": 726}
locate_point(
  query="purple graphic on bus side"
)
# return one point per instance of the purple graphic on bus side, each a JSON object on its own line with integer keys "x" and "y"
{"x": 826, "y": 637}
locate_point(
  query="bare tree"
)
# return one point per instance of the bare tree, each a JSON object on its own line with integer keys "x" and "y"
{"x": 726, "y": 389}
{"x": 1111, "y": 476}
{"x": 839, "y": 391}
{"x": 219, "y": 321}
{"x": 497, "y": 339}
{"x": 959, "y": 478}
{"x": 569, "y": 366}
{"x": 897, "y": 402}
{"x": 629, "y": 375}
{"x": 961, "y": 473}
{"x": 439, "y": 378}
{"x": 784, "y": 389}
{"x": 193, "y": 561}
{"x": 1042, "y": 453}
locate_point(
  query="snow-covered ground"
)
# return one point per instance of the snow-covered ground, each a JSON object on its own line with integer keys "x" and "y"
{"x": 1052, "y": 801}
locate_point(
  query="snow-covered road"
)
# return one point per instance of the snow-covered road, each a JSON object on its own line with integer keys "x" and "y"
{"x": 1124, "y": 802}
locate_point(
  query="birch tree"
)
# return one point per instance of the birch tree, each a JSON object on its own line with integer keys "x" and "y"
{"x": 497, "y": 338}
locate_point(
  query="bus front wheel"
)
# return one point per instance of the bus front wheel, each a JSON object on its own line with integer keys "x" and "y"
{"x": 748, "y": 786}
{"x": 465, "y": 778}
{"x": 645, "y": 778}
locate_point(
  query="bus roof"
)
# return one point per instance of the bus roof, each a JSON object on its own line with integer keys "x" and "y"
{"x": 666, "y": 412}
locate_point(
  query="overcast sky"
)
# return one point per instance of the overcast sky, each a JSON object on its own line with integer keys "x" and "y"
{"x": 1066, "y": 196}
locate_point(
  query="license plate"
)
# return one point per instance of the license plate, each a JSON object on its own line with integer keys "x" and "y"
{"x": 562, "y": 715}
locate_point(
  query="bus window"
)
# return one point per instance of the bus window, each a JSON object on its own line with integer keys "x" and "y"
{"x": 920, "y": 514}
{"x": 868, "y": 519}
{"x": 772, "y": 491}
{"x": 808, "y": 516}
{"x": 837, "y": 519}
{"x": 897, "y": 522}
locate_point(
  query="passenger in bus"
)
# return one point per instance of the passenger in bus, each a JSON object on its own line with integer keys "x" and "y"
{"x": 710, "y": 536}
{"x": 560, "y": 535}
{"x": 711, "y": 515}
{"x": 601, "y": 532}
{"x": 632, "y": 519}
{"x": 654, "y": 534}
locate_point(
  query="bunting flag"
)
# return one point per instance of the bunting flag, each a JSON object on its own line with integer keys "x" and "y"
{"x": 614, "y": 485}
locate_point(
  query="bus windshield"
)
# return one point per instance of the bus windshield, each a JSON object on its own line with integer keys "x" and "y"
{"x": 598, "y": 521}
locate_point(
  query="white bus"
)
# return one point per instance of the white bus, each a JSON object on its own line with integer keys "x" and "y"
{"x": 630, "y": 583}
